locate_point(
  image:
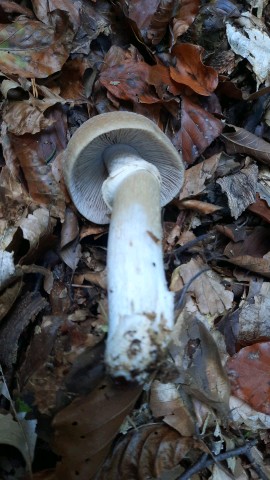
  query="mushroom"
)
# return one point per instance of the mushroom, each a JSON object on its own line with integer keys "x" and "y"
{"x": 121, "y": 168}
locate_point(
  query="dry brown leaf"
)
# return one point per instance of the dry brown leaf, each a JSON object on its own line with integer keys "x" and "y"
{"x": 146, "y": 453}
{"x": 190, "y": 70}
{"x": 260, "y": 207}
{"x": 211, "y": 296}
{"x": 85, "y": 429}
{"x": 243, "y": 141}
{"x": 166, "y": 400}
{"x": 22, "y": 51}
{"x": 27, "y": 116}
{"x": 255, "y": 264}
{"x": 197, "y": 176}
{"x": 198, "y": 129}
{"x": 70, "y": 246}
{"x": 240, "y": 189}
{"x": 8, "y": 297}
{"x": 43, "y": 10}
{"x": 197, "y": 359}
{"x": 184, "y": 17}
{"x": 35, "y": 225}
{"x": 201, "y": 207}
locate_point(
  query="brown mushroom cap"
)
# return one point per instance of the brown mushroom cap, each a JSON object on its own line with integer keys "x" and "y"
{"x": 85, "y": 170}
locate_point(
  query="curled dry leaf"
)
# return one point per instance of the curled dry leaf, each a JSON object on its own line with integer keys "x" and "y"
{"x": 240, "y": 189}
{"x": 200, "y": 207}
{"x": 128, "y": 77}
{"x": 85, "y": 429}
{"x": 248, "y": 37}
{"x": 246, "y": 417}
{"x": 35, "y": 225}
{"x": 146, "y": 453}
{"x": 43, "y": 10}
{"x": 167, "y": 400}
{"x": 190, "y": 70}
{"x": 198, "y": 361}
{"x": 249, "y": 374}
{"x": 197, "y": 176}
{"x": 70, "y": 246}
{"x": 151, "y": 18}
{"x": 31, "y": 49}
{"x": 184, "y": 17}
{"x": 243, "y": 141}
{"x": 211, "y": 296}
{"x": 27, "y": 116}
{"x": 198, "y": 129}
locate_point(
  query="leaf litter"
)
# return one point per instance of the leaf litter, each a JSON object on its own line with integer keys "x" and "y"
{"x": 197, "y": 72}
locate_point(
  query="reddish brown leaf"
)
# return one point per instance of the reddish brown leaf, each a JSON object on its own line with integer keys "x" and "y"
{"x": 261, "y": 208}
{"x": 242, "y": 141}
{"x": 85, "y": 429}
{"x": 198, "y": 129}
{"x": 126, "y": 76}
{"x": 71, "y": 80}
{"x": 249, "y": 374}
{"x": 35, "y": 153}
{"x": 43, "y": 10}
{"x": 31, "y": 49}
{"x": 184, "y": 17}
{"x": 12, "y": 7}
{"x": 151, "y": 18}
{"x": 191, "y": 71}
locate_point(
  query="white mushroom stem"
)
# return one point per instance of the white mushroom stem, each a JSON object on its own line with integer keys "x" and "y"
{"x": 140, "y": 305}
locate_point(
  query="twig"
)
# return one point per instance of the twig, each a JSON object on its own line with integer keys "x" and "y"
{"x": 180, "y": 300}
{"x": 204, "y": 461}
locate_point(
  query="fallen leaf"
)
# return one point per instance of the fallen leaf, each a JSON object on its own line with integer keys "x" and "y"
{"x": 248, "y": 37}
{"x": 198, "y": 129}
{"x": 196, "y": 177}
{"x": 8, "y": 297}
{"x": 190, "y": 70}
{"x": 202, "y": 207}
{"x": 196, "y": 356}
{"x": 84, "y": 440}
{"x": 211, "y": 296}
{"x": 43, "y": 11}
{"x": 35, "y": 225}
{"x": 27, "y": 116}
{"x": 184, "y": 17}
{"x": 249, "y": 374}
{"x": 146, "y": 452}
{"x": 240, "y": 189}
{"x": 246, "y": 417}
{"x": 243, "y": 141}
{"x": 31, "y": 49}
{"x": 166, "y": 401}
{"x": 70, "y": 246}
{"x": 14, "y": 434}
{"x": 260, "y": 207}
{"x": 7, "y": 268}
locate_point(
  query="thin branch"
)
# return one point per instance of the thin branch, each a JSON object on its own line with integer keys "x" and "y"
{"x": 204, "y": 461}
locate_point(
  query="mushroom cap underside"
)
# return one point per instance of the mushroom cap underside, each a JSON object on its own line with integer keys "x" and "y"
{"x": 85, "y": 171}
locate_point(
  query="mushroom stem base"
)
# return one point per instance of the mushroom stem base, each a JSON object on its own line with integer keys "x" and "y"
{"x": 140, "y": 305}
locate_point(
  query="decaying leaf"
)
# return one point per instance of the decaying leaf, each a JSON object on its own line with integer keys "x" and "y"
{"x": 31, "y": 49}
{"x": 168, "y": 401}
{"x": 70, "y": 246}
{"x": 14, "y": 434}
{"x": 8, "y": 297}
{"x": 196, "y": 177}
{"x": 242, "y": 141}
{"x": 249, "y": 38}
{"x": 85, "y": 429}
{"x": 197, "y": 359}
{"x": 211, "y": 296}
{"x": 190, "y": 70}
{"x": 198, "y": 129}
{"x": 184, "y": 17}
{"x": 35, "y": 225}
{"x": 146, "y": 452}
{"x": 27, "y": 116}
{"x": 249, "y": 374}
{"x": 240, "y": 189}
{"x": 7, "y": 268}
{"x": 245, "y": 416}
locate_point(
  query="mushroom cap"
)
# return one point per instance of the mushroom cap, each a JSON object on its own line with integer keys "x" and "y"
{"x": 85, "y": 170}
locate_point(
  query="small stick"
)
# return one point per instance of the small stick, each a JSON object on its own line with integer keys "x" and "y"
{"x": 204, "y": 461}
